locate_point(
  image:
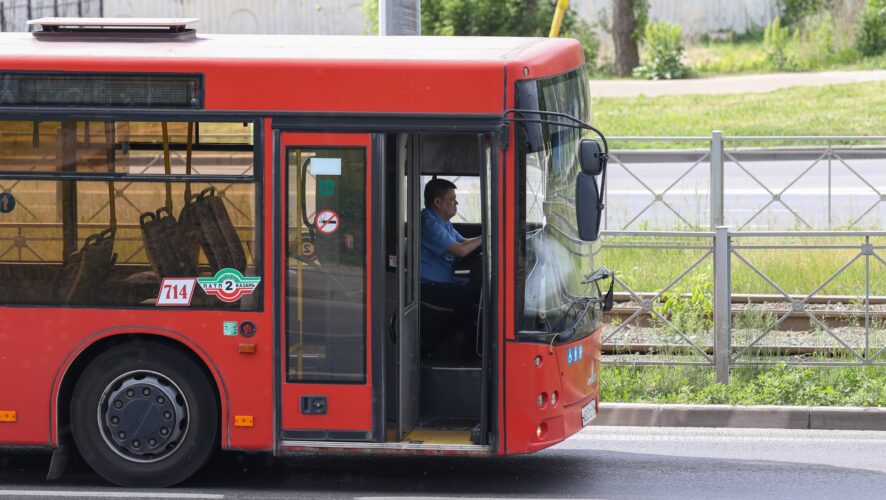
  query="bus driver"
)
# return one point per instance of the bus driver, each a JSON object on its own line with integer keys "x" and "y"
{"x": 441, "y": 244}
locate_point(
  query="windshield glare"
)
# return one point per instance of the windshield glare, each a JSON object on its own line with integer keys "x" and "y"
{"x": 552, "y": 259}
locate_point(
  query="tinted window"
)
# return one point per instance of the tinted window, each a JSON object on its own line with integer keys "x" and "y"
{"x": 111, "y": 242}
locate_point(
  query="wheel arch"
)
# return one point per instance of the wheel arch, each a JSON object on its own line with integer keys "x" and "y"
{"x": 85, "y": 352}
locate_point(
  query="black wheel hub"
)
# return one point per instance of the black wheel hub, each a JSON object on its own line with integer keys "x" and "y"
{"x": 143, "y": 416}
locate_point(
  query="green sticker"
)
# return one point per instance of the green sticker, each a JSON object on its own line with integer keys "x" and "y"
{"x": 326, "y": 187}
{"x": 230, "y": 328}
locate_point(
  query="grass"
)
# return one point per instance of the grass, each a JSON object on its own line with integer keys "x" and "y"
{"x": 796, "y": 271}
{"x": 821, "y": 110}
{"x": 774, "y": 385}
{"x": 744, "y": 57}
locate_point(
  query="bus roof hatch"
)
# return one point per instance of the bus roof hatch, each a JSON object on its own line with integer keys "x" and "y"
{"x": 114, "y": 28}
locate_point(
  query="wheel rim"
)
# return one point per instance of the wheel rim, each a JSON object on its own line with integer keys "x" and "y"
{"x": 143, "y": 416}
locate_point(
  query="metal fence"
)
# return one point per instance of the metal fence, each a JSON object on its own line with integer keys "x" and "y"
{"x": 773, "y": 182}
{"x": 14, "y": 14}
{"x": 707, "y": 222}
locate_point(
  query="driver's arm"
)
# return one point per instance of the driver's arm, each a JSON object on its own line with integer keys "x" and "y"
{"x": 464, "y": 248}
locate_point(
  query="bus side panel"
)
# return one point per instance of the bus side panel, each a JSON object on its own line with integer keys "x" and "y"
{"x": 317, "y": 85}
{"x": 36, "y": 344}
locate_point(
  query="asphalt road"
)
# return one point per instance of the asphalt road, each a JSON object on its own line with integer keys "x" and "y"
{"x": 601, "y": 462}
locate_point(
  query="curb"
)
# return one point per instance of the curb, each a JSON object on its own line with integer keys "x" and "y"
{"x": 760, "y": 417}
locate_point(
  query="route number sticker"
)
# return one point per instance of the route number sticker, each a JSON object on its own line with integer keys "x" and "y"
{"x": 327, "y": 222}
{"x": 229, "y": 285}
{"x": 176, "y": 292}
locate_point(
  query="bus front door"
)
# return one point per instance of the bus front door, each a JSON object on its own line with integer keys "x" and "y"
{"x": 326, "y": 370}
{"x": 407, "y": 279}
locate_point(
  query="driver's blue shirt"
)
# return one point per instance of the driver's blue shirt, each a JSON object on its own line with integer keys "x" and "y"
{"x": 437, "y": 265}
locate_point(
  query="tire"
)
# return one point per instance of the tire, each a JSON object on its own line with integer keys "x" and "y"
{"x": 144, "y": 414}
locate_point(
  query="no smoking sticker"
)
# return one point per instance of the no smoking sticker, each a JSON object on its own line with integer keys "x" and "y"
{"x": 327, "y": 222}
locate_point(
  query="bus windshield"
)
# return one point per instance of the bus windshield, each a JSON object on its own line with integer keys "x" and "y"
{"x": 552, "y": 260}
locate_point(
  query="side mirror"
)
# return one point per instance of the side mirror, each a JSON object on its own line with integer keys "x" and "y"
{"x": 588, "y": 207}
{"x": 591, "y": 157}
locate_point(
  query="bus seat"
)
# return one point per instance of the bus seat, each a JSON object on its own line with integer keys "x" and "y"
{"x": 438, "y": 331}
{"x": 163, "y": 244}
{"x": 68, "y": 280}
{"x": 233, "y": 243}
{"x": 86, "y": 271}
{"x": 213, "y": 240}
{"x": 192, "y": 237}
{"x": 205, "y": 224}
{"x": 181, "y": 263}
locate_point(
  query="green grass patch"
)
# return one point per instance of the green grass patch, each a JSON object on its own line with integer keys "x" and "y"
{"x": 819, "y": 110}
{"x": 773, "y": 385}
{"x": 795, "y": 270}
{"x": 723, "y": 58}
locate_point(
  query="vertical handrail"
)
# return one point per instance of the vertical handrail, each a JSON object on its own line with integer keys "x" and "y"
{"x": 722, "y": 304}
{"x": 717, "y": 175}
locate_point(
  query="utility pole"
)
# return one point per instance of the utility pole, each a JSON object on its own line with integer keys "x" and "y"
{"x": 399, "y": 17}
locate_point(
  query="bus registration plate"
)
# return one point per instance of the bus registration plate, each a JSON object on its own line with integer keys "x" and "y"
{"x": 588, "y": 413}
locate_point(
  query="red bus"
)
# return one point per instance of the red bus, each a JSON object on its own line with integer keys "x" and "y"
{"x": 212, "y": 242}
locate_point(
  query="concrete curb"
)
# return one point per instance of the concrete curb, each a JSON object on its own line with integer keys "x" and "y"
{"x": 760, "y": 417}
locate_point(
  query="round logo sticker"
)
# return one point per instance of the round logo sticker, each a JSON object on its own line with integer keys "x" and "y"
{"x": 327, "y": 222}
{"x": 7, "y": 203}
{"x": 229, "y": 285}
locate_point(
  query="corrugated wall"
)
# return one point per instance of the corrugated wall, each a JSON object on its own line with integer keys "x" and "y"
{"x": 15, "y": 13}
{"x": 697, "y": 17}
{"x": 327, "y": 17}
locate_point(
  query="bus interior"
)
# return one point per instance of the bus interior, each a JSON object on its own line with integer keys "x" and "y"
{"x": 434, "y": 388}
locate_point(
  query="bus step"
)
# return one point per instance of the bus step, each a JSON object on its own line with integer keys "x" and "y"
{"x": 450, "y": 391}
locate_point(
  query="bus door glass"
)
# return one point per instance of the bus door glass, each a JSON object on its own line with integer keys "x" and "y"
{"x": 326, "y": 388}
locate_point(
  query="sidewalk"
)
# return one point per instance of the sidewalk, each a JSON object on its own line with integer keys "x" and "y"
{"x": 760, "y": 417}
{"x": 729, "y": 84}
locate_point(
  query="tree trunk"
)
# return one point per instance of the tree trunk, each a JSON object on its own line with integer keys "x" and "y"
{"x": 627, "y": 56}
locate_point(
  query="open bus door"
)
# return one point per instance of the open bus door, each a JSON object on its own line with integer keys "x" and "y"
{"x": 408, "y": 238}
{"x": 326, "y": 391}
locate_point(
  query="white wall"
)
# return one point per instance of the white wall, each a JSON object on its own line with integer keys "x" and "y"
{"x": 328, "y": 17}
{"x": 697, "y": 17}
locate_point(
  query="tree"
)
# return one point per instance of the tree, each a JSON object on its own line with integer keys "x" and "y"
{"x": 624, "y": 27}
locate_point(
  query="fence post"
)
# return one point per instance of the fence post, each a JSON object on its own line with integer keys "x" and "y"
{"x": 716, "y": 158}
{"x": 722, "y": 304}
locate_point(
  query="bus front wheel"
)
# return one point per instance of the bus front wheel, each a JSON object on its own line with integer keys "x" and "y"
{"x": 144, "y": 414}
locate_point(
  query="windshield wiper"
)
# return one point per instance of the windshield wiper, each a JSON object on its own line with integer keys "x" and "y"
{"x": 595, "y": 278}
{"x": 581, "y": 304}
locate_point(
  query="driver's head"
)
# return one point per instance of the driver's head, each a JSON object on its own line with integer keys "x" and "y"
{"x": 440, "y": 198}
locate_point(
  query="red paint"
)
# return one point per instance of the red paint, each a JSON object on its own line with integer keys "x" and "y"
{"x": 273, "y": 74}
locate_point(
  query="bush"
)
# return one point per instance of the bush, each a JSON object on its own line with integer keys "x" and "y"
{"x": 778, "y": 45}
{"x": 871, "y": 35}
{"x": 663, "y": 53}
{"x": 583, "y": 32}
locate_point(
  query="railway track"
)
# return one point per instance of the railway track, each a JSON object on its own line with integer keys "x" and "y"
{"x": 833, "y": 311}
